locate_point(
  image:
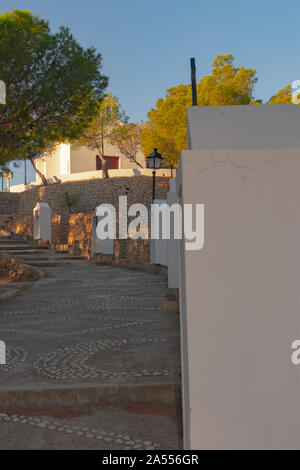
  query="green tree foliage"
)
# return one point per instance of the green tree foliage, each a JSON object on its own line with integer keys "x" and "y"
{"x": 227, "y": 84}
{"x": 54, "y": 86}
{"x": 103, "y": 128}
{"x": 4, "y": 169}
{"x": 127, "y": 137}
{"x": 282, "y": 96}
{"x": 256, "y": 101}
{"x": 166, "y": 125}
{"x": 69, "y": 201}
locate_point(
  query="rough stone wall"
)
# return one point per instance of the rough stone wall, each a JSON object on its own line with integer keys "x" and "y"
{"x": 132, "y": 249}
{"x": 22, "y": 225}
{"x": 80, "y": 233}
{"x": 60, "y": 228}
{"x": 8, "y": 203}
{"x": 5, "y": 225}
{"x": 75, "y": 229}
{"x": 138, "y": 189}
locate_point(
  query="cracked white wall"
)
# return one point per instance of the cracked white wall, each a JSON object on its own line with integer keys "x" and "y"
{"x": 240, "y": 299}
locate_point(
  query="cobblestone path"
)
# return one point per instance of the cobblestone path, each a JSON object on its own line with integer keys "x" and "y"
{"x": 90, "y": 326}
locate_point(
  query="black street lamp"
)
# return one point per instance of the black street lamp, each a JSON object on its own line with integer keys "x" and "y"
{"x": 153, "y": 161}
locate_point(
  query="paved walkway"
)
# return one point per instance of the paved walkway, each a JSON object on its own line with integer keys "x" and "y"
{"x": 84, "y": 345}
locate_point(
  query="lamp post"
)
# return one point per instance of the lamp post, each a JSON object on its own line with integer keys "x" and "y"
{"x": 153, "y": 161}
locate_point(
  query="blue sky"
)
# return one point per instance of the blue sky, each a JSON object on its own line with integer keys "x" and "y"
{"x": 146, "y": 45}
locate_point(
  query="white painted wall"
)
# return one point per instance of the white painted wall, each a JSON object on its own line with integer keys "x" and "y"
{"x": 240, "y": 300}
{"x": 86, "y": 175}
{"x": 65, "y": 160}
{"x": 239, "y": 295}
{"x": 65, "y": 163}
{"x": 173, "y": 244}
{"x": 244, "y": 127}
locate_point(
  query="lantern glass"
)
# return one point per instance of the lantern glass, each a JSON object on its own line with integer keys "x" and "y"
{"x": 149, "y": 162}
{"x": 157, "y": 162}
{"x": 154, "y": 160}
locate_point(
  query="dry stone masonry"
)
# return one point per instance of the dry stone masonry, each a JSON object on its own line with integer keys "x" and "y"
{"x": 75, "y": 229}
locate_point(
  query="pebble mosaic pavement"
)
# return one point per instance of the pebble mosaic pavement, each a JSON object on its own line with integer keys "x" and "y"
{"x": 89, "y": 325}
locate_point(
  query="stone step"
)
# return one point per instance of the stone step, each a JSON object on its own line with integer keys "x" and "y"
{"x": 28, "y": 258}
{"x": 66, "y": 395}
{"x": 60, "y": 262}
{"x": 11, "y": 241}
{"x": 39, "y": 254}
{"x": 13, "y": 252}
{"x": 19, "y": 247}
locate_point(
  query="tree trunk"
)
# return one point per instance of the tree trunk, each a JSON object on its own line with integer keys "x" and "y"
{"x": 104, "y": 164}
{"x": 104, "y": 167}
{"x": 39, "y": 173}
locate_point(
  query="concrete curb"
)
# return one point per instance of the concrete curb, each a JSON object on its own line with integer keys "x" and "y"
{"x": 14, "y": 288}
{"x": 9, "y": 294}
{"x": 40, "y": 273}
{"x": 140, "y": 266}
{"x": 134, "y": 265}
{"x": 155, "y": 394}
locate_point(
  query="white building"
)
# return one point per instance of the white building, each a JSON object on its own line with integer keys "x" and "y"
{"x": 68, "y": 160}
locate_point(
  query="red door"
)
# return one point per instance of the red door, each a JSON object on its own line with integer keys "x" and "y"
{"x": 112, "y": 162}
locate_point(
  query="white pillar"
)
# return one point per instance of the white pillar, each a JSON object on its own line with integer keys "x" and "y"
{"x": 42, "y": 222}
{"x": 105, "y": 247}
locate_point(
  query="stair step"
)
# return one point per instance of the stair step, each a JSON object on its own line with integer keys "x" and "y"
{"x": 54, "y": 263}
{"x": 20, "y": 247}
{"x": 39, "y": 255}
{"x": 10, "y": 241}
{"x": 28, "y": 252}
{"x": 52, "y": 257}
